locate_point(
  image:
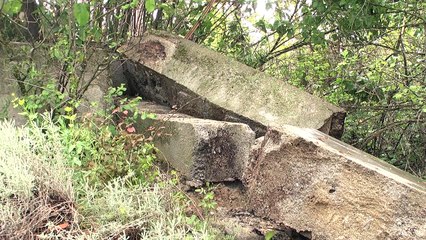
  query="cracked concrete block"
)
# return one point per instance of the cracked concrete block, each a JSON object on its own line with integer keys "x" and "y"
{"x": 316, "y": 184}
{"x": 202, "y": 149}
{"x": 202, "y": 83}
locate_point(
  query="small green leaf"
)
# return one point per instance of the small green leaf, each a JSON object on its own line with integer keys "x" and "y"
{"x": 11, "y": 7}
{"x": 151, "y": 116}
{"x": 76, "y": 161}
{"x": 144, "y": 115}
{"x": 112, "y": 130}
{"x": 81, "y": 13}
{"x": 68, "y": 109}
{"x": 32, "y": 116}
{"x": 150, "y": 5}
{"x": 71, "y": 118}
{"x": 269, "y": 235}
{"x": 261, "y": 25}
{"x": 134, "y": 3}
{"x": 398, "y": 96}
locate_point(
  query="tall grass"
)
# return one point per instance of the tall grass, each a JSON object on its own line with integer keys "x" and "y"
{"x": 38, "y": 196}
{"x": 35, "y": 182}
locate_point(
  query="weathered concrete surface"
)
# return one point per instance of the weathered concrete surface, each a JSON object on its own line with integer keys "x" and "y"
{"x": 200, "y": 82}
{"x": 201, "y": 149}
{"x": 232, "y": 216}
{"x": 311, "y": 182}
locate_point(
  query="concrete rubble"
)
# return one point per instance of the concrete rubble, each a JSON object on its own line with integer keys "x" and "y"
{"x": 293, "y": 176}
{"x": 314, "y": 183}
{"x": 296, "y": 177}
{"x": 201, "y": 149}
{"x": 202, "y": 83}
{"x": 234, "y": 124}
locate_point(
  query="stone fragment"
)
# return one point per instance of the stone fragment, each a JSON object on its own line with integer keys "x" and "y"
{"x": 202, "y": 83}
{"x": 201, "y": 149}
{"x": 327, "y": 189}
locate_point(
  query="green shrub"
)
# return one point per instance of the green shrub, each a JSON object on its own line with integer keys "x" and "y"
{"x": 100, "y": 172}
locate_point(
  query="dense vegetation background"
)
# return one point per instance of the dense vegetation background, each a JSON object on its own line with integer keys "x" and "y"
{"x": 367, "y": 56}
{"x": 67, "y": 176}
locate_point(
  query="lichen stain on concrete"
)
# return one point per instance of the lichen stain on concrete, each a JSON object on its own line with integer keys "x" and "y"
{"x": 219, "y": 152}
{"x": 152, "y": 50}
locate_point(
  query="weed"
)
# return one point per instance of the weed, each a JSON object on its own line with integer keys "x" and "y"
{"x": 35, "y": 182}
{"x": 114, "y": 190}
{"x": 207, "y": 202}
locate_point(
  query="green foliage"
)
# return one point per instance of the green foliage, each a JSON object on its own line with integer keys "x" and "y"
{"x": 150, "y": 5}
{"x": 366, "y": 57}
{"x": 49, "y": 98}
{"x": 10, "y": 7}
{"x": 97, "y": 148}
{"x": 116, "y": 182}
{"x": 385, "y": 111}
{"x": 81, "y": 13}
{"x": 34, "y": 169}
{"x": 207, "y": 193}
{"x": 270, "y": 235}
{"x": 103, "y": 149}
{"x": 151, "y": 211}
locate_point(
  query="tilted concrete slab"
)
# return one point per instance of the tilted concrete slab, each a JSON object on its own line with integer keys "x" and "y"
{"x": 322, "y": 187}
{"x": 201, "y": 149}
{"x": 200, "y": 82}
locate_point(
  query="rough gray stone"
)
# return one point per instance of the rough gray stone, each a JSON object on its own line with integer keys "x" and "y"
{"x": 99, "y": 77}
{"x": 202, "y": 149}
{"x": 233, "y": 226}
{"x": 116, "y": 73}
{"x": 314, "y": 183}
{"x": 202, "y": 83}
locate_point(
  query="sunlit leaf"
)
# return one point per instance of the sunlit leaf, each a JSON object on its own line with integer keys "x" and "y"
{"x": 269, "y": 235}
{"x": 150, "y": 5}
{"x": 68, "y": 109}
{"x": 81, "y": 13}
{"x": 11, "y": 6}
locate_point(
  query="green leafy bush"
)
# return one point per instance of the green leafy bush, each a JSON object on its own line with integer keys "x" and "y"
{"x": 113, "y": 187}
{"x": 73, "y": 180}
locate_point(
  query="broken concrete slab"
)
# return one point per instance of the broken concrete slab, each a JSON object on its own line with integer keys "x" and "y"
{"x": 202, "y": 83}
{"x": 201, "y": 149}
{"x": 313, "y": 183}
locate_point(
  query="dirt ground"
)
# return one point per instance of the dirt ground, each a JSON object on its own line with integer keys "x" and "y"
{"x": 234, "y": 217}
